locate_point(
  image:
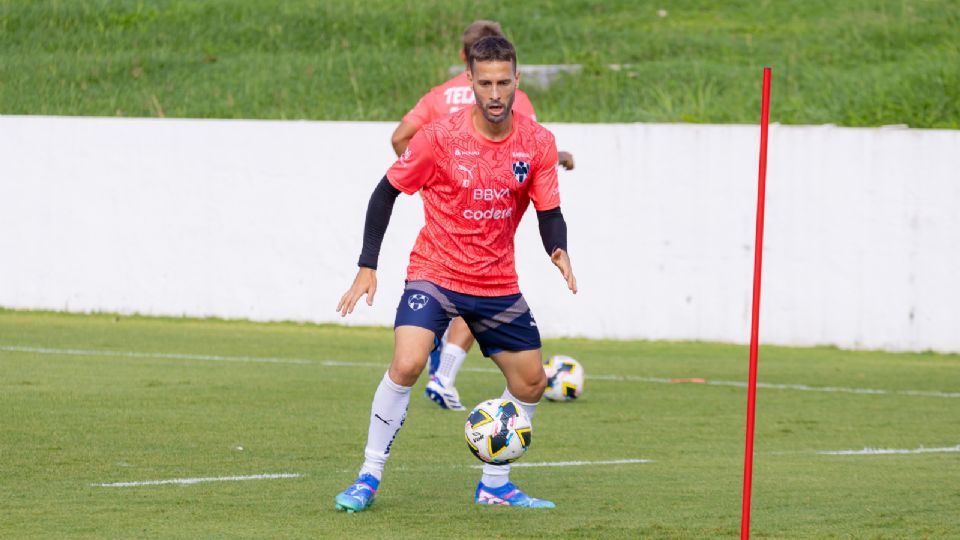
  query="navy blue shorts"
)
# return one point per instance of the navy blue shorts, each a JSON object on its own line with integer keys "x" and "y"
{"x": 500, "y": 323}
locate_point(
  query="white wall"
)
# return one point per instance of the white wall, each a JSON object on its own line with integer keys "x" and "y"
{"x": 263, "y": 220}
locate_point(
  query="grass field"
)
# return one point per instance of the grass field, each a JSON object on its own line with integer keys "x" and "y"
{"x": 99, "y": 399}
{"x": 855, "y": 63}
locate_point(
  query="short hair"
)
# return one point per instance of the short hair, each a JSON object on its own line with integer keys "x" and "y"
{"x": 477, "y": 31}
{"x": 492, "y": 48}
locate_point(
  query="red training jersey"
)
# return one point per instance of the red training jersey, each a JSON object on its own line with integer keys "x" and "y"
{"x": 474, "y": 193}
{"x": 452, "y": 96}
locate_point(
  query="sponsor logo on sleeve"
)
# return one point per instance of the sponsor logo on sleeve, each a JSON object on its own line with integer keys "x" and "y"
{"x": 405, "y": 156}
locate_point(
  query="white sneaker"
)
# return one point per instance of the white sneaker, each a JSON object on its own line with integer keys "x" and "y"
{"x": 446, "y": 398}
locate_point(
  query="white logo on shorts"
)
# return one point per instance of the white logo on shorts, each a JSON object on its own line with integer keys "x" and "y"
{"x": 416, "y": 301}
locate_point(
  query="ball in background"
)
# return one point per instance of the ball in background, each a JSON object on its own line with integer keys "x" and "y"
{"x": 565, "y": 377}
{"x": 498, "y": 431}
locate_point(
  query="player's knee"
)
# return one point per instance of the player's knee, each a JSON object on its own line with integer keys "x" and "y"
{"x": 405, "y": 371}
{"x": 531, "y": 388}
{"x": 540, "y": 384}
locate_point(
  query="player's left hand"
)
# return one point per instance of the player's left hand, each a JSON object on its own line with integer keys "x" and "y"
{"x": 565, "y": 160}
{"x": 562, "y": 261}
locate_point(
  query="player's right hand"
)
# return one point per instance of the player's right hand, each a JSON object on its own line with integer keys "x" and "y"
{"x": 364, "y": 284}
{"x": 565, "y": 160}
{"x": 562, "y": 261}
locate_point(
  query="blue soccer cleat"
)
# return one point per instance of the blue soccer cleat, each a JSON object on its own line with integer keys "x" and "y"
{"x": 359, "y": 496}
{"x": 446, "y": 397}
{"x": 508, "y": 495}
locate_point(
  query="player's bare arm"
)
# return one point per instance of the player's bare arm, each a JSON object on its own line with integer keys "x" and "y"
{"x": 565, "y": 160}
{"x": 402, "y": 135}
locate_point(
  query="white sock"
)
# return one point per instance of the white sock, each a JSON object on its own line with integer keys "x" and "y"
{"x": 387, "y": 414}
{"x": 495, "y": 476}
{"x": 451, "y": 358}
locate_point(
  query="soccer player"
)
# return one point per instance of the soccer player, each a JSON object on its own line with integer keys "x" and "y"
{"x": 447, "y": 98}
{"x": 477, "y": 171}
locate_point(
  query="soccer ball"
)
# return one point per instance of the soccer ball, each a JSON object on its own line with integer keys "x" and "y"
{"x": 564, "y": 379}
{"x": 498, "y": 431}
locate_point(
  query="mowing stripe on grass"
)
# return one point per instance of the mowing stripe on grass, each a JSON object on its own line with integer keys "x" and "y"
{"x": 573, "y": 463}
{"x": 188, "y": 481}
{"x": 336, "y": 363}
{"x": 883, "y": 451}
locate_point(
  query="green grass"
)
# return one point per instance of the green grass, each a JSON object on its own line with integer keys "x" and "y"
{"x": 854, "y": 63}
{"x": 72, "y": 420}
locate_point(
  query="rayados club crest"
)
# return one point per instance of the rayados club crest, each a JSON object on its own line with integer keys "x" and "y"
{"x": 521, "y": 169}
{"x": 417, "y": 301}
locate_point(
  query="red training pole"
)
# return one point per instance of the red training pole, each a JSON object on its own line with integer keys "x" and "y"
{"x": 755, "y": 320}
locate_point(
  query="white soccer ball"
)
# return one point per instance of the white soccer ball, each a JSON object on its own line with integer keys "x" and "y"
{"x": 498, "y": 431}
{"x": 565, "y": 378}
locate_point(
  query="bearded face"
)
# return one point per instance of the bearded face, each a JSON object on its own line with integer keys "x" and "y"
{"x": 495, "y": 87}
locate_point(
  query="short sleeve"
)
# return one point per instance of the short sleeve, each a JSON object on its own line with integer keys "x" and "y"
{"x": 522, "y": 105}
{"x": 545, "y": 189}
{"x": 420, "y": 115}
{"x": 416, "y": 165}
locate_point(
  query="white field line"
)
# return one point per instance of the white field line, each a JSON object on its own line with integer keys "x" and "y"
{"x": 336, "y": 363}
{"x": 179, "y": 356}
{"x": 884, "y": 451}
{"x": 188, "y": 481}
{"x": 573, "y": 463}
{"x": 799, "y": 387}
